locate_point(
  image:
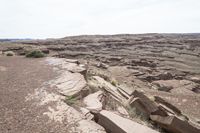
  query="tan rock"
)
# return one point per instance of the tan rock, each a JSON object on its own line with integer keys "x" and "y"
{"x": 114, "y": 123}
{"x": 93, "y": 101}
{"x": 102, "y": 65}
{"x": 174, "y": 125}
{"x": 9, "y": 53}
{"x": 87, "y": 113}
{"x": 109, "y": 88}
{"x": 143, "y": 104}
{"x": 170, "y": 106}
{"x": 70, "y": 84}
{"x": 175, "y": 86}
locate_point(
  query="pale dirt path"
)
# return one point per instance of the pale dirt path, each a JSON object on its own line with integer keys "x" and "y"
{"x": 27, "y": 105}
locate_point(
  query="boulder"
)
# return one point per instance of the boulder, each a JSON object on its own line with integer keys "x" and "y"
{"x": 174, "y": 124}
{"x": 168, "y": 105}
{"x": 114, "y": 123}
{"x": 146, "y": 106}
{"x": 93, "y": 101}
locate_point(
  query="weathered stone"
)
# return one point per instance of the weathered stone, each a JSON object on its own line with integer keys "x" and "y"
{"x": 123, "y": 93}
{"x": 126, "y": 89}
{"x": 122, "y": 111}
{"x": 158, "y": 76}
{"x": 162, "y": 85}
{"x": 172, "y": 107}
{"x": 173, "y": 124}
{"x": 72, "y": 61}
{"x": 176, "y": 86}
{"x": 143, "y": 104}
{"x": 194, "y": 78}
{"x": 109, "y": 88}
{"x": 46, "y": 51}
{"x": 86, "y": 126}
{"x": 70, "y": 84}
{"x": 87, "y": 113}
{"x": 93, "y": 101}
{"x": 114, "y": 123}
{"x": 102, "y": 65}
{"x": 9, "y": 53}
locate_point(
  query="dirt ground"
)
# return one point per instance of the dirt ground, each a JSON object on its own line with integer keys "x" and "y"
{"x": 19, "y": 76}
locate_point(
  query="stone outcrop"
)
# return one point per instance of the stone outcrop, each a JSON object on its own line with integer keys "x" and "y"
{"x": 71, "y": 82}
{"x": 174, "y": 125}
{"x": 146, "y": 106}
{"x": 167, "y": 104}
{"x": 103, "y": 84}
{"x": 167, "y": 85}
{"x": 114, "y": 123}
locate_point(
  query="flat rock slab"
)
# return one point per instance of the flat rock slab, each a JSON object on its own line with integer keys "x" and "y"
{"x": 70, "y": 84}
{"x": 114, "y": 123}
{"x": 71, "y": 80}
{"x": 109, "y": 88}
{"x": 143, "y": 104}
{"x": 174, "y": 124}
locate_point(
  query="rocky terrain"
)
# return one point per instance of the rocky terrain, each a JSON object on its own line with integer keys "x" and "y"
{"x": 115, "y": 83}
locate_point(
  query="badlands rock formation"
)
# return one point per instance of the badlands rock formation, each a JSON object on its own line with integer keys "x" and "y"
{"x": 151, "y": 82}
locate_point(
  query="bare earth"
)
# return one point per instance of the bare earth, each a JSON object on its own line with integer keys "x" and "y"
{"x": 20, "y": 78}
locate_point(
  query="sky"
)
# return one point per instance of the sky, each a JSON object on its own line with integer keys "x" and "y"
{"x": 59, "y": 18}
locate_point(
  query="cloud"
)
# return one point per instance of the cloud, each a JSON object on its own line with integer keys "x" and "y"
{"x": 59, "y": 18}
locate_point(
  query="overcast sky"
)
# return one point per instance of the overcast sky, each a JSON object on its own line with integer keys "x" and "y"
{"x": 59, "y": 18}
